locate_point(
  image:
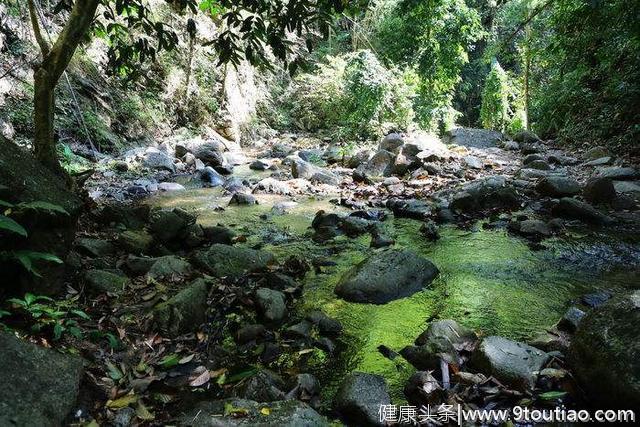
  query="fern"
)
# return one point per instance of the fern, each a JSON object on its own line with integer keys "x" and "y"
{"x": 8, "y": 224}
{"x": 39, "y": 205}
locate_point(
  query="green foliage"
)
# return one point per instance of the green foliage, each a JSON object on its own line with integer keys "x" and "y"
{"x": 433, "y": 39}
{"x": 26, "y": 257}
{"x": 352, "y": 96}
{"x": 59, "y": 317}
{"x": 495, "y": 110}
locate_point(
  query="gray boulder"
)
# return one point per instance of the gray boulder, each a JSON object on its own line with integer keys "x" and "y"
{"x": 381, "y": 164}
{"x": 604, "y": 353}
{"x": 241, "y": 412}
{"x": 557, "y": 186}
{"x": 600, "y": 190}
{"x": 169, "y": 266}
{"x": 306, "y": 170}
{"x": 223, "y": 260}
{"x": 477, "y": 138}
{"x": 392, "y": 143}
{"x": 618, "y": 173}
{"x": 93, "y": 247}
{"x": 167, "y": 225}
{"x": 105, "y": 281}
{"x": 359, "y": 398}
{"x": 486, "y": 193}
{"x": 571, "y": 208}
{"x": 185, "y": 311}
{"x": 271, "y": 305}
{"x": 526, "y": 136}
{"x": 243, "y": 199}
{"x": 135, "y": 242}
{"x": 40, "y": 385}
{"x": 386, "y": 276}
{"x": 210, "y": 154}
{"x": 596, "y": 153}
{"x": 156, "y": 159}
{"x": 514, "y": 363}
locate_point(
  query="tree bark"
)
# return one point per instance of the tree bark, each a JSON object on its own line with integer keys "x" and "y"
{"x": 47, "y": 74}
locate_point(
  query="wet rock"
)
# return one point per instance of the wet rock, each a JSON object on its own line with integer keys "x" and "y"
{"x": 93, "y": 247}
{"x": 306, "y": 389}
{"x": 169, "y": 266}
{"x": 531, "y": 228}
{"x": 353, "y": 226}
{"x": 516, "y": 364}
{"x": 458, "y": 335}
{"x": 280, "y": 150}
{"x": 571, "y": 208}
{"x": 411, "y": 208}
{"x": 423, "y": 389}
{"x": 599, "y": 190}
{"x": 381, "y": 241}
{"x": 526, "y": 136}
{"x": 306, "y": 170}
{"x": 105, "y": 281}
{"x": 259, "y": 165}
{"x": 155, "y": 159}
{"x": 211, "y": 177}
{"x": 325, "y": 344}
{"x": 271, "y": 305}
{"x": 243, "y": 199}
{"x": 138, "y": 266}
{"x": 571, "y": 319}
{"x": 264, "y": 386}
{"x": 223, "y": 260}
{"x": 218, "y": 234}
{"x": 386, "y": 276}
{"x": 557, "y": 186}
{"x": 430, "y": 231}
{"x": 135, "y": 242}
{"x": 282, "y": 208}
{"x": 40, "y": 385}
{"x": 359, "y": 398}
{"x": 552, "y": 340}
{"x": 627, "y": 187}
{"x": 531, "y": 158}
{"x": 326, "y": 325}
{"x": 596, "y": 153}
{"x": 596, "y": 299}
{"x": 301, "y": 329}
{"x": 289, "y": 413}
{"x": 170, "y": 186}
{"x": 486, "y": 193}
{"x": 604, "y": 353}
{"x": 250, "y": 333}
{"x": 185, "y": 311}
{"x": 224, "y": 169}
{"x": 618, "y": 173}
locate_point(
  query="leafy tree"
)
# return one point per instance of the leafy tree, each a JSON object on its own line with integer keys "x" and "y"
{"x": 495, "y": 111}
{"x": 250, "y": 28}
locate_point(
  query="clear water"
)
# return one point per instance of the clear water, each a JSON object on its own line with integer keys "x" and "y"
{"x": 489, "y": 280}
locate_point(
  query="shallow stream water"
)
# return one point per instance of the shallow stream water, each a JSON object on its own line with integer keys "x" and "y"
{"x": 490, "y": 281}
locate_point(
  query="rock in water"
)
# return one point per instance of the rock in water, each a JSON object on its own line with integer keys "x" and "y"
{"x": 220, "y": 413}
{"x": 40, "y": 386}
{"x": 386, "y": 276}
{"x": 511, "y": 362}
{"x": 604, "y": 352}
{"x": 223, "y": 260}
{"x": 359, "y": 398}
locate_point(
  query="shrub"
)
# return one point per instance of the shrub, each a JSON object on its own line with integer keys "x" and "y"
{"x": 495, "y": 110}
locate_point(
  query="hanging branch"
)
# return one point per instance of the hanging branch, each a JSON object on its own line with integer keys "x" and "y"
{"x": 524, "y": 23}
{"x": 44, "y": 46}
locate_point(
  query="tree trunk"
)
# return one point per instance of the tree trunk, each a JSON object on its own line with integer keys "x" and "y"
{"x": 43, "y": 114}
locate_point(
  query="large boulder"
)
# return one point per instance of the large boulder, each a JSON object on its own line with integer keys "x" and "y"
{"x": 514, "y": 363}
{"x": 242, "y": 412}
{"x": 306, "y": 170}
{"x": 223, "y": 260}
{"x": 557, "y": 186}
{"x": 600, "y": 190}
{"x": 486, "y": 193}
{"x": 381, "y": 164}
{"x": 604, "y": 353}
{"x": 25, "y": 180}
{"x": 618, "y": 173}
{"x": 272, "y": 305}
{"x": 571, "y": 208}
{"x": 386, "y": 276}
{"x": 185, "y": 311}
{"x": 157, "y": 160}
{"x": 359, "y": 398}
{"x": 40, "y": 385}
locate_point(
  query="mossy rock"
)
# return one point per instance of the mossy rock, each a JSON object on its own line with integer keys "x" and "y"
{"x": 185, "y": 311}
{"x": 223, "y": 260}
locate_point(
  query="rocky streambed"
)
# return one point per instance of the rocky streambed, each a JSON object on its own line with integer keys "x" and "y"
{"x": 292, "y": 284}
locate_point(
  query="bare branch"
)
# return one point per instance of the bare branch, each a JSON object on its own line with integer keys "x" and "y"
{"x": 44, "y": 46}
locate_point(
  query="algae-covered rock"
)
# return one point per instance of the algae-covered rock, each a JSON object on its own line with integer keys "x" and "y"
{"x": 106, "y": 281}
{"x": 39, "y": 385}
{"x": 386, "y": 276}
{"x": 169, "y": 266}
{"x": 604, "y": 352}
{"x": 223, "y": 260}
{"x": 135, "y": 242}
{"x": 359, "y": 398}
{"x": 185, "y": 311}
{"x": 271, "y": 305}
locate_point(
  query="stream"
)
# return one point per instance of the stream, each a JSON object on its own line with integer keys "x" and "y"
{"x": 490, "y": 280}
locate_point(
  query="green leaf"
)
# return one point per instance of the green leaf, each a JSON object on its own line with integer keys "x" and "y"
{"x": 552, "y": 395}
{"x": 39, "y": 205}
{"x": 57, "y": 331}
{"x": 170, "y": 361}
{"x": 81, "y": 314}
{"x": 6, "y": 204}
{"x": 114, "y": 373}
{"x": 4, "y": 313}
{"x": 8, "y": 224}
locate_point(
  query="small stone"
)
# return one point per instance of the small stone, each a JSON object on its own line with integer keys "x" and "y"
{"x": 94, "y": 247}
{"x": 170, "y": 186}
{"x": 430, "y": 231}
{"x": 243, "y": 199}
{"x": 618, "y": 173}
{"x": 169, "y": 266}
{"x": 571, "y": 319}
{"x": 105, "y": 281}
{"x": 271, "y": 305}
{"x": 360, "y": 397}
{"x": 135, "y": 242}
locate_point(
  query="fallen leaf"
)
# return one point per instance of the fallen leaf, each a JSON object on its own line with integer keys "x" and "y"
{"x": 265, "y": 411}
{"x": 201, "y": 379}
{"x": 122, "y": 402}
{"x": 143, "y": 413}
{"x": 186, "y": 359}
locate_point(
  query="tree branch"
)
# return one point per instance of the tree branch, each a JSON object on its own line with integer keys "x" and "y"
{"x": 44, "y": 46}
{"x": 77, "y": 25}
{"x": 524, "y": 23}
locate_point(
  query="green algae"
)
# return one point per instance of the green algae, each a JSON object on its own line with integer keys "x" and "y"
{"x": 489, "y": 280}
